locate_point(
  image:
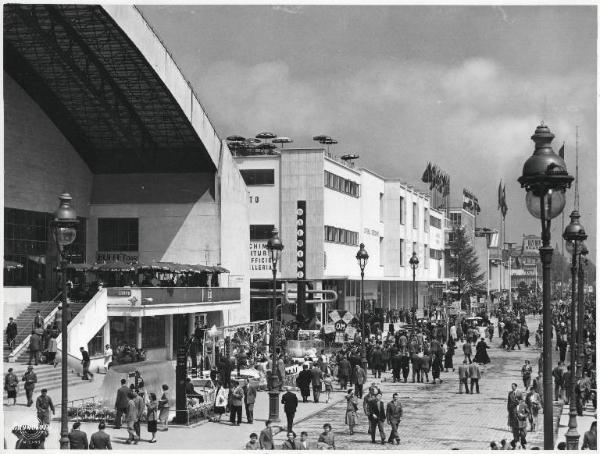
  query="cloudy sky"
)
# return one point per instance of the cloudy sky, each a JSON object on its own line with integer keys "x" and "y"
{"x": 461, "y": 86}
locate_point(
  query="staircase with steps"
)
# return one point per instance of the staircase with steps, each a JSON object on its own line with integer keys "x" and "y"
{"x": 25, "y": 322}
{"x": 48, "y": 376}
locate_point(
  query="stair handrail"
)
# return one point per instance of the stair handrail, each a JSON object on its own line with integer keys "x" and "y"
{"x": 24, "y": 329}
{"x": 18, "y": 349}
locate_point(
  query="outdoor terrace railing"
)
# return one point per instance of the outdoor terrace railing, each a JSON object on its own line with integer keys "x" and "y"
{"x": 148, "y": 296}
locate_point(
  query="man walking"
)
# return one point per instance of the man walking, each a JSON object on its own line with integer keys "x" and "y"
{"x": 377, "y": 361}
{"x": 11, "y": 333}
{"x": 566, "y": 385}
{"x": 376, "y": 418}
{"x": 316, "y": 375}
{"x": 131, "y": 419}
{"x": 237, "y": 400}
{"x": 396, "y": 366}
{"x": 290, "y": 403}
{"x": 30, "y": 380}
{"x": 100, "y": 439}
{"x": 140, "y": 406}
{"x": 121, "y": 403}
{"x": 463, "y": 375}
{"x": 475, "y": 375}
{"x": 360, "y": 378}
{"x": 467, "y": 350}
{"x": 511, "y": 405}
{"x": 35, "y": 344}
{"x": 85, "y": 362}
{"x": 303, "y": 381}
{"x": 38, "y": 321}
{"x": 249, "y": 399}
{"x": 44, "y": 405}
{"x": 405, "y": 365}
{"x": 344, "y": 373}
{"x": 266, "y": 437}
{"x": 11, "y": 383}
{"x": 557, "y": 373}
{"x": 394, "y": 413}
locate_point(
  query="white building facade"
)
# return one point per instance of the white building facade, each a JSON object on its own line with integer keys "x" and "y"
{"x": 344, "y": 206}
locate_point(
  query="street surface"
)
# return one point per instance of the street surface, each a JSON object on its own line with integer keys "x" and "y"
{"x": 435, "y": 416}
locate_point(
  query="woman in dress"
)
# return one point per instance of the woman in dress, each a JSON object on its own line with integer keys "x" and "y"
{"x": 152, "y": 406}
{"x": 221, "y": 396}
{"x": 448, "y": 364}
{"x": 163, "y": 407}
{"x": 351, "y": 409}
{"x": 326, "y": 439}
{"x": 534, "y": 403}
{"x": 108, "y": 357}
{"x": 481, "y": 356}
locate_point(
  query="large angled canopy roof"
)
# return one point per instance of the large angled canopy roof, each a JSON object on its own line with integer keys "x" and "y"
{"x": 101, "y": 90}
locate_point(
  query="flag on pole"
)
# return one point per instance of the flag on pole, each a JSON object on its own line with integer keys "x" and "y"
{"x": 500, "y": 195}
{"x": 561, "y": 152}
{"x": 426, "y": 178}
{"x": 504, "y": 207}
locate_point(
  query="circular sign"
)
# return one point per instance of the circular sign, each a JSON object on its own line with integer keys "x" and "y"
{"x": 300, "y": 243}
{"x": 299, "y": 232}
{"x": 300, "y": 264}
{"x": 299, "y": 222}
{"x": 300, "y": 274}
{"x": 300, "y": 254}
{"x": 299, "y": 212}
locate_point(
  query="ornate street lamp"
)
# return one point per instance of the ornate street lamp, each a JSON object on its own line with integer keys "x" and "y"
{"x": 545, "y": 178}
{"x": 274, "y": 246}
{"x": 574, "y": 235}
{"x": 362, "y": 257}
{"x": 414, "y": 264}
{"x": 63, "y": 230}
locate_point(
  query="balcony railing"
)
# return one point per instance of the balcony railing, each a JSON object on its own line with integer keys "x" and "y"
{"x": 148, "y": 296}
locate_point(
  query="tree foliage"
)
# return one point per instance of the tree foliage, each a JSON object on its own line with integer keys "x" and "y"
{"x": 464, "y": 265}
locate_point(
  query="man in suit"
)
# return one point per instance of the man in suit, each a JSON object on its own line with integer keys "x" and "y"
{"x": 343, "y": 372}
{"x": 44, "y": 405}
{"x": 290, "y": 403}
{"x": 377, "y": 418}
{"x": 394, "y": 413}
{"x": 463, "y": 375}
{"x": 249, "y": 399}
{"x": 77, "y": 438}
{"x": 280, "y": 372}
{"x": 467, "y": 350}
{"x": 140, "y": 406}
{"x": 475, "y": 375}
{"x": 303, "y": 443}
{"x": 303, "y": 382}
{"x": 38, "y": 321}
{"x": 557, "y": 373}
{"x": 121, "y": 403}
{"x": 360, "y": 378}
{"x": 100, "y": 439}
{"x": 512, "y": 402}
{"x": 377, "y": 361}
{"x": 316, "y": 375}
{"x": 566, "y": 384}
{"x": 266, "y": 437}
{"x": 396, "y": 366}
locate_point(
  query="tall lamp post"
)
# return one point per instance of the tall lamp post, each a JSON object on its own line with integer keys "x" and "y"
{"x": 362, "y": 257}
{"x": 274, "y": 246}
{"x": 574, "y": 235}
{"x": 509, "y": 249}
{"x": 63, "y": 230}
{"x": 545, "y": 178}
{"x": 414, "y": 264}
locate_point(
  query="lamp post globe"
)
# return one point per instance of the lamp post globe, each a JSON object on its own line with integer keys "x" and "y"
{"x": 362, "y": 257}
{"x": 544, "y": 176}
{"x": 574, "y": 234}
{"x": 64, "y": 232}
{"x": 274, "y": 246}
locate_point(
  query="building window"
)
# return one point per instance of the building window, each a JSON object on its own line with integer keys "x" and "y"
{"x": 402, "y": 210}
{"x": 153, "y": 332}
{"x": 426, "y": 220}
{"x": 381, "y": 250}
{"x": 402, "y": 252}
{"x": 435, "y": 254}
{"x": 435, "y": 222}
{"x": 381, "y": 207}
{"x": 118, "y": 234}
{"x": 261, "y": 232}
{"x": 342, "y": 185}
{"x": 415, "y": 247}
{"x": 425, "y": 257}
{"x": 256, "y": 177}
{"x": 415, "y": 214}
{"x": 455, "y": 218}
{"x": 341, "y": 236}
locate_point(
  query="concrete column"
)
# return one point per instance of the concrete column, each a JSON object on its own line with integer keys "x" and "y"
{"x": 169, "y": 336}
{"x": 138, "y": 332}
{"x": 191, "y": 324}
{"x": 106, "y": 333}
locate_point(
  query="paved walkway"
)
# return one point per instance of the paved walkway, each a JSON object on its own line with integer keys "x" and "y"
{"x": 437, "y": 416}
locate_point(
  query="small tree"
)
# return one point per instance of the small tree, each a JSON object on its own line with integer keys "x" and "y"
{"x": 464, "y": 265}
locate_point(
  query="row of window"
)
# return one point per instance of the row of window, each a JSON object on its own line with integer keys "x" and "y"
{"x": 341, "y": 236}
{"x": 256, "y": 177}
{"x": 333, "y": 181}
